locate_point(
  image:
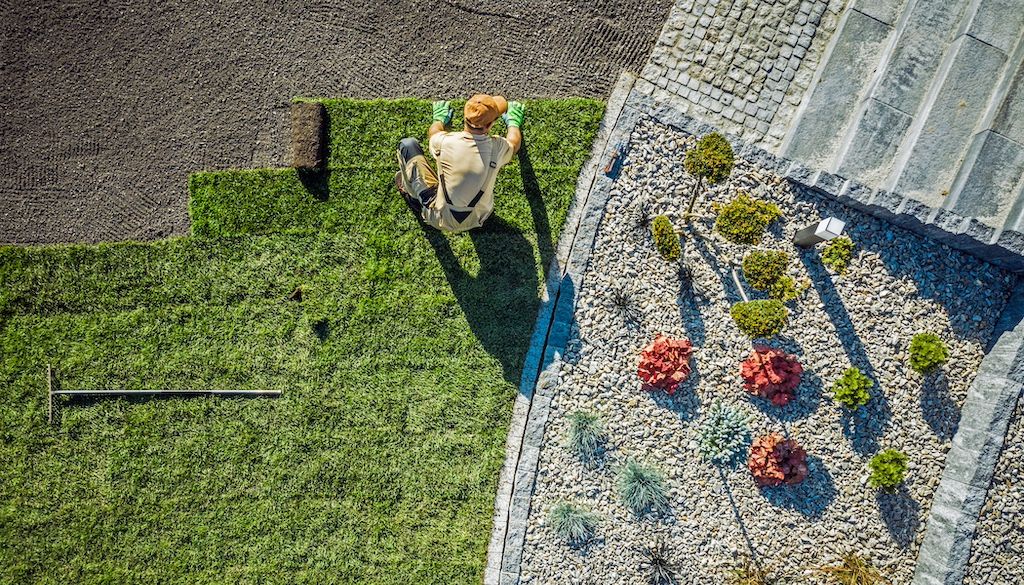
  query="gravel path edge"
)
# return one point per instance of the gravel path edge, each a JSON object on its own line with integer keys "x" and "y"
{"x": 554, "y": 316}
{"x": 977, "y": 444}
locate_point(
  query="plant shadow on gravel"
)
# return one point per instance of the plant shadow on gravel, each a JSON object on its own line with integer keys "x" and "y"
{"x": 901, "y": 513}
{"x": 867, "y": 424}
{"x": 937, "y": 406}
{"x": 685, "y": 402}
{"x": 689, "y": 311}
{"x": 754, "y": 555}
{"x": 811, "y": 497}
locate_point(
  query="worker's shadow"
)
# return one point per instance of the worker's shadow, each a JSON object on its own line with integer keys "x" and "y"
{"x": 501, "y": 301}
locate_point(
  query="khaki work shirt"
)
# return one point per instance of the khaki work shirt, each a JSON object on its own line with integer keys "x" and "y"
{"x": 467, "y": 165}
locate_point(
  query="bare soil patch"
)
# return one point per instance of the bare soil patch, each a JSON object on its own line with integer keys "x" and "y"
{"x": 109, "y": 105}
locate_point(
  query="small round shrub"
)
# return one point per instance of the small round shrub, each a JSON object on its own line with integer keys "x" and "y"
{"x": 642, "y": 488}
{"x": 665, "y": 363}
{"x": 927, "y": 352}
{"x": 888, "y": 469}
{"x": 837, "y": 254}
{"x": 765, "y": 270}
{"x": 743, "y": 220}
{"x": 853, "y": 389}
{"x": 666, "y": 240}
{"x": 724, "y": 435}
{"x": 711, "y": 159}
{"x": 761, "y": 318}
{"x": 572, "y": 524}
{"x": 586, "y": 433}
{"x": 771, "y": 374}
{"x": 775, "y": 460}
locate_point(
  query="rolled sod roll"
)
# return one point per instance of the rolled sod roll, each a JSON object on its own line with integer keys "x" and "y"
{"x": 309, "y": 135}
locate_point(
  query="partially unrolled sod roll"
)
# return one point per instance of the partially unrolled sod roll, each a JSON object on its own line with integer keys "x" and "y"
{"x": 309, "y": 135}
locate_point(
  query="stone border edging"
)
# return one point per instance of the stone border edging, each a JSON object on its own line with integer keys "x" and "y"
{"x": 1004, "y": 249}
{"x": 550, "y": 334}
{"x": 971, "y": 460}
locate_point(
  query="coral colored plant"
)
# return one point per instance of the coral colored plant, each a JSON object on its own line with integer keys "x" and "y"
{"x": 775, "y": 460}
{"x": 771, "y": 373}
{"x": 665, "y": 363}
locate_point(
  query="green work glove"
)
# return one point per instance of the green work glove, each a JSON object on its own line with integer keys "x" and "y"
{"x": 514, "y": 116}
{"x": 442, "y": 113}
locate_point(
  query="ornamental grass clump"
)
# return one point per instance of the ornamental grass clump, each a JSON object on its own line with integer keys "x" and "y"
{"x": 927, "y": 352}
{"x": 724, "y": 435}
{"x": 642, "y": 488}
{"x": 888, "y": 469}
{"x": 772, "y": 374}
{"x": 775, "y": 460}
{"x": 853, "y": 570}
{"x": 572, "y": 524}
{"x": 760, "y": 318}
{"x": 765, "y": 270}
{"x": 656, "y": 564}
{"x": 586, "y": 434}
{"x": 852, "y": 389}
{"x": 744, "y": 220}
{"x": 666, "y": 240}
{"x": 837, "y": 254}
{"x": 665, "y": 363}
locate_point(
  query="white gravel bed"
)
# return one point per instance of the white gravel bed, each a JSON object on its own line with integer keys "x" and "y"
{"x": 898, "y": 284}
{"x": 998, "y": 545}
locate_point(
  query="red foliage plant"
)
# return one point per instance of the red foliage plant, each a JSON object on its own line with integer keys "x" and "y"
{"x": 665, "y": 363}
{"x": 771, "y": 373}
{"x": 775, "y": 460}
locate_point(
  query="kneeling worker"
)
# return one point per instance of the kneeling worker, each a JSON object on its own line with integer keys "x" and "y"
{"x": 460, "y": 196}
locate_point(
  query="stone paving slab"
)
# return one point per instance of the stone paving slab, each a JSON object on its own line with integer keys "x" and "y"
{"x": 742, "y": 64}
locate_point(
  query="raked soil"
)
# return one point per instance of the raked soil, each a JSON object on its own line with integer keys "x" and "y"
{"x": 108, "y": 105}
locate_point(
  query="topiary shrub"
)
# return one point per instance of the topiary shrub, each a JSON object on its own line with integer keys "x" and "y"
{"x": 852, "y": 389}
{"x": 642, "y": 488}
{"x": 666, "y": 240}
{"x": 710, "y": 160}
{"x": 775, "y": 460}
{"x": 927, "y": 352}
{"x": 765, "y": 270}
{"x": 888, "y": 469}
{"x": 837, "y": 254}
{"x": 724, "y": 435}
{"x": 585, "y": 436}
{"x": 743, "y": 220}
{"x": 572, "y": 524}
{"x": 761, "y": 268}
{"x": 761, "y": 318}
{"x": 772, "y": 374}
{"x": 665, "y": 363}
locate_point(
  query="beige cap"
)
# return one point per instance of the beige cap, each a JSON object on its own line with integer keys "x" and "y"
{"x": 482, "y": 109}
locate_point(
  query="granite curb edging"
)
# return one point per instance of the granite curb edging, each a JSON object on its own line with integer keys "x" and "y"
{"x": 554, "y": 317}
{"x": 972, "y": 458}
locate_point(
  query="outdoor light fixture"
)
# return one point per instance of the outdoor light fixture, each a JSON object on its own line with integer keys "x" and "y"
{"x": 824, "y": 230}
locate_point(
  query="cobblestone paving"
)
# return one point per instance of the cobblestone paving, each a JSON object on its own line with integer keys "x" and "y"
{"x": 999, "y": 541}
{"x": 741, "y": 65}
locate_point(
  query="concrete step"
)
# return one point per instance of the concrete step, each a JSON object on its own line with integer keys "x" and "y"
{"x": 815, "y": 137}
{"x": 990, "y": 184}
{"x": 901, "y": 89}
{"x": 939, "y": 139}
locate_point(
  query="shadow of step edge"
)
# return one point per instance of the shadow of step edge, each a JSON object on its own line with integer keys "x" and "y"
{"x": 971, "y": 461}
{"x": 308, "y": 136}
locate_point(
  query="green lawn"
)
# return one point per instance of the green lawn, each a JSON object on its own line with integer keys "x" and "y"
{"x": 399, "y": 367}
